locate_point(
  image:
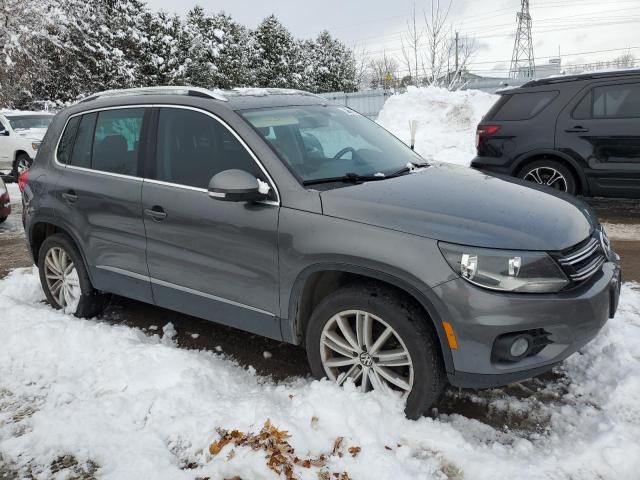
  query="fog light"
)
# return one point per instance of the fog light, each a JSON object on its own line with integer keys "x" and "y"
{"x": 519, "y": 347}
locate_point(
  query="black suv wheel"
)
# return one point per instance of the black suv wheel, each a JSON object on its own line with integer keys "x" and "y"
{"x": 373, "y": 337}
{"x": 21, "y": 164}
{"x": 550, "y": 173}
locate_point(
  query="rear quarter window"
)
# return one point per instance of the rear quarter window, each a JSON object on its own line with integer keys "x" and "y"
{"x": 66, "y": 141}
{"x": 523, "y": 106}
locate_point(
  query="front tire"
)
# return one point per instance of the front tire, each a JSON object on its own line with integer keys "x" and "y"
{"x": 65, "y": 280}
{"x": 21, "y": 164}
{"x": 552, "y": 174}
{"x": 380, "y": 341}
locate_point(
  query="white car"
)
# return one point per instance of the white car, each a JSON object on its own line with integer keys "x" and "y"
{"x": 20, "y": 137}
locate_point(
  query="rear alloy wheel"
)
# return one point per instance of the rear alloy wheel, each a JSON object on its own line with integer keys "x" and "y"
{"x": 65, "y": 280}
{"x": 550, "y": 173}
{"x": 21, "y": 165}
{"x": 379, "y": 340}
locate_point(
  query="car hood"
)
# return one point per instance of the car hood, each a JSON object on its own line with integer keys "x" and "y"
{"x": 465, "y": 206}
{"x": 35, "y": 134}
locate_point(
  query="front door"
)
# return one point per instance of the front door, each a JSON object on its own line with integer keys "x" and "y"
{"x": 602, "y": 126}
{"x": 209, "y": 258}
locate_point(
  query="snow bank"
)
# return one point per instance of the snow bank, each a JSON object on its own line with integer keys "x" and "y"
{"x": 447, "y": 121}
{"x": 139, "y": 407}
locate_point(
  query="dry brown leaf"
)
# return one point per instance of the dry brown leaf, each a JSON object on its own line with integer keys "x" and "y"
{"x": 337, "y": 446}
{"x": 354, "y": 451}
{"x": 232, "y": 478}
{"x": 314, "y": 421}
{"x": 324, "y": 475}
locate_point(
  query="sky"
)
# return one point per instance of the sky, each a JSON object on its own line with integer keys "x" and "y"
{"x": 583, "y": 31}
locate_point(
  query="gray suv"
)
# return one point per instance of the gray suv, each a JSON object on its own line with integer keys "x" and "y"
{"x": 277, "y": 213}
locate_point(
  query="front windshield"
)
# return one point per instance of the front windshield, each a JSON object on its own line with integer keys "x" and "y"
{"x": 26, "y": 122}
{"x": 319, "y": 142}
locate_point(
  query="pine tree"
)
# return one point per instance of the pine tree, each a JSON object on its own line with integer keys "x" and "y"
{"x": 276, "y": 59}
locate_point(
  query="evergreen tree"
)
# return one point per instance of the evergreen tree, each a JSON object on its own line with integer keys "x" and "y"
{"x": 276, "y": 59}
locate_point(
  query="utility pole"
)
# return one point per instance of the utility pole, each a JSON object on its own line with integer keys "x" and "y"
{"x": 523, "y": 46}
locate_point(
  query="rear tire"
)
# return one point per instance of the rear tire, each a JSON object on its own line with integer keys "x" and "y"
{"x": 65, "y": 280}
{"x": 410, "y": 355}
{"x": 22, "y": 162}
{"x": 552, "y": 174}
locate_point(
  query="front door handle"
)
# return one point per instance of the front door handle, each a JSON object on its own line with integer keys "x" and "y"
{"x": 577, "y": 129}
{"x": 156, "y": 213}
{"x": 70, "y": 196}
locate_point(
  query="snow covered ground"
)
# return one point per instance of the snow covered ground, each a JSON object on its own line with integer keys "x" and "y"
{"x": 124, "y": 405}
{"x": 447, "y": 121}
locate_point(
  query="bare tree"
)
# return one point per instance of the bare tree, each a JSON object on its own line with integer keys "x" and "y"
{"x": 384, "y": 71}
{"x": 437, "y": 40}
{"x": 411, "y": 45}
{"x": 362, "y": 66}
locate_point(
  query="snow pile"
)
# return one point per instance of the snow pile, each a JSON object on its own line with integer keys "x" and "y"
{"x": 446, "y": 121}
{"x": 128, "y": 406}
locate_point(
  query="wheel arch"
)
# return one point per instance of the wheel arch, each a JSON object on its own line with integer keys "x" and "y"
{"x": 315, "y": 282}
{"x": 45, "y": 227}
{"x": 19, "y": 152}
{"x": 572, "y": 164}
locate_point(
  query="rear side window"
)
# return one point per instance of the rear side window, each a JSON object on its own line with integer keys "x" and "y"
{"x": 66, "y": 142}
{"x": 610, "y": 101}
{"x": 116, "y": 141}
{"x": 192, "y": 147}
{"x": 617, "y": 101}
{"x": 523, "y": 106}
{"x": 81, "y": 155}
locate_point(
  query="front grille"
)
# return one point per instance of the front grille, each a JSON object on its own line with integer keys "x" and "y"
{"x": 584, "y": 260}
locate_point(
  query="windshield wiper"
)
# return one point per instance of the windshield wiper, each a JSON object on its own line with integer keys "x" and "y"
{"x": 409, "y": 168}
{"x": 349, "y": 177}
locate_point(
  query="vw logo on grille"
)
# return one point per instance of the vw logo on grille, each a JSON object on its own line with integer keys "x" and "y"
{"x": 604, "y": 242}
{"x": 366, "y": 360}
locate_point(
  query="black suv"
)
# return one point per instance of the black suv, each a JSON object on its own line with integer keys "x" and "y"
{"x": 579, "y": 134}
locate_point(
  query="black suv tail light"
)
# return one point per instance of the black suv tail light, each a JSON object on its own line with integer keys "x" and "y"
{"x": 485, "y": 131}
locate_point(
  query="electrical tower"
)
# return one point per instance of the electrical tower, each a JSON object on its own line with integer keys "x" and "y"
{"x": 522, "y": 61}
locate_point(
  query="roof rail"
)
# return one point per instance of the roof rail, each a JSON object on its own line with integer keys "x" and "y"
{"x": 165, "y": 90}
{"x": 582, "y": 76}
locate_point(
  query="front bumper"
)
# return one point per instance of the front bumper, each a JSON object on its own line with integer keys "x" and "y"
{"x": 479, "y": 316}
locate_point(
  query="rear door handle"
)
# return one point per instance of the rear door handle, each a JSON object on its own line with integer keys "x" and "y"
{"x": 577, "y": 129}
{"x": 70, "y": 196}
{"x": 156, "y": 213}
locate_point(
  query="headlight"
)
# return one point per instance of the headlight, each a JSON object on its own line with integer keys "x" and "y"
{"x": 35, "y": 145}
{"x": 505, "y": 270}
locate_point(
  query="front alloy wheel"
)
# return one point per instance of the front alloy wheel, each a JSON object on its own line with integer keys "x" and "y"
{"x": 379, "y": 339}
{"x": 360, "y": 346}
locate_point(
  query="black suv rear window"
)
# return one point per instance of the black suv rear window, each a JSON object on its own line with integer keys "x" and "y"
{"x": 610, "y": 101}
{"x": 523, "y": 106}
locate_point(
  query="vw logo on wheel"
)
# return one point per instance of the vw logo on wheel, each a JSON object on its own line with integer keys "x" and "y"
{"x": 366, "y": 359}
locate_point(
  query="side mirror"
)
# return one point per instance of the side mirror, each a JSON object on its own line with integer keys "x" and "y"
{"x": 4, "y": 133}
{"x": 237, "y": 186}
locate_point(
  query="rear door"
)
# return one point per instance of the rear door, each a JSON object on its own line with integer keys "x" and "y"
{"x": 209, "y": 258}
{"x": 602, "y": 127}
{"x": 100, "y": 191}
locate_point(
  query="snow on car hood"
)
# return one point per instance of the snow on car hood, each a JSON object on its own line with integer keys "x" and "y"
{"x": 465, "y": 206}
{"x": 31, "y": 133}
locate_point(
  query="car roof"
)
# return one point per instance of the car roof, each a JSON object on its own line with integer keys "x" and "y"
{"x": 234, "y": 99}
{"x": 582, "y": 76}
